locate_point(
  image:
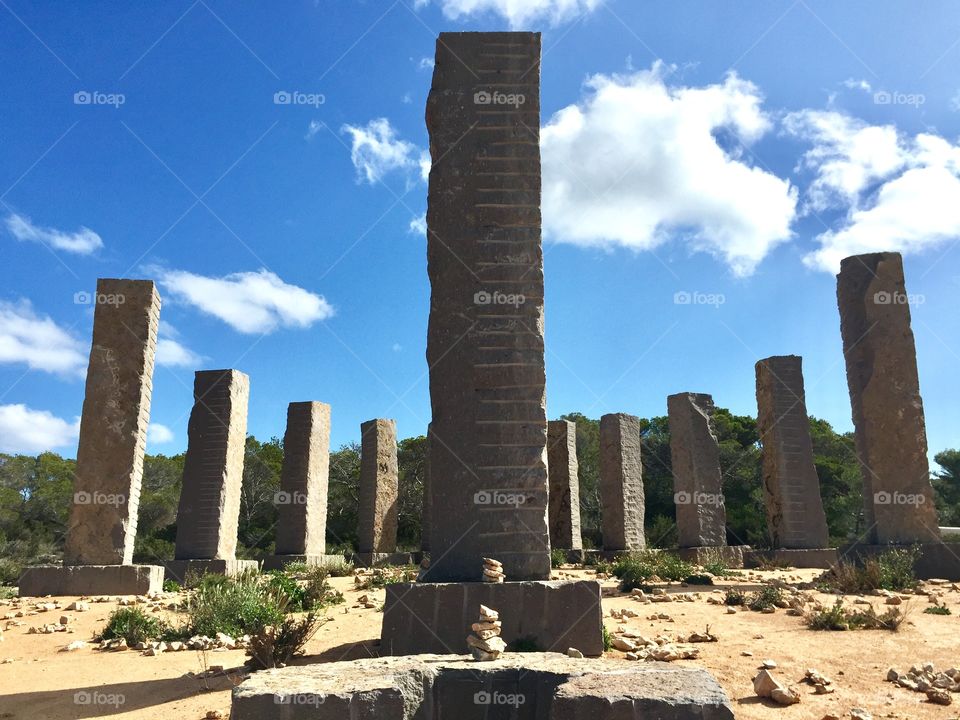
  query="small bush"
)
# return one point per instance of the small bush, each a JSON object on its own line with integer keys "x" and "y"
{"x": 287, "y": 586}
{"x": 735, "y": 597}
{"x": 937, "y": 610}
{"x": 838, "y": 617}
{"x": 714, "y": 563}
{"x": 607, "y": 638}
{"x": 890, "y": 570}
{"x": 557, "y": 557}
{"x": 10, "y": 571}
{"x": 235, "y": 606}
{"x": 767, "y": 597}
{"x": 699, "y": 579}
{"x": 637, "y": 569}
{"x": 7, "y": 593}
{"x": 171, "y": 586}
{"x": 274, "y": 645}
{"x": 133, "y": 625}
{"x": 381, "y": 577}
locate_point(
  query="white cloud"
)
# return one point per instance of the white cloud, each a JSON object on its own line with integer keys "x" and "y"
{"x": 171, "y": 353}
{"x": 518, "y": 13}
{"x": 158, "y": 434}
{"x": 376, "y": 150}
{"x": 313, "y": 128}
{"x": 37, "y": 341}
{"x": 637, "y": 161}
{"x": 24, "y": 430}
{"x": 418, "y": 225}
{"x": 425, "y": 63}
{"x": 82, "y": 242}
{"x": 250, "y": 302}
{"x": 852, "y": 84}
{"x": 898, "y": 193}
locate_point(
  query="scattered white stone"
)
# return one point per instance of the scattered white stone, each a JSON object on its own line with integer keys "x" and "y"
{"x": 75, "y": 645}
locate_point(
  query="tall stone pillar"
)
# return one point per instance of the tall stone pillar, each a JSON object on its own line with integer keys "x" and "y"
{"x": 564, "y": 485}
{"x": 891, "y": 438}
{"x": 621, "y": 483}
{"x": 102, "y": 528}
{"x": 697, "y": 483}
{"x": 791, "y": 488}
{"x": 302, "y": 499}
{"x": 377, "y": 533}
{"x": 485, "y": 338}
{"x": 209, "y": 510}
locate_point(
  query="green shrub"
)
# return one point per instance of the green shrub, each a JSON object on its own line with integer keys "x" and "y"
{"x": 838, "y": 617}
{"x": 557, "y": 557}
{"x": 890, "y": 570}
{"x": 637, "y": 569}
{"x": 699, "y": 579}
{"x": 10, "y": 571}
{"x": 133, "y": 625}
{"x": 714, "y": 562}
{"x": 274, "y": 645}
{"x": 607, "y": 638}
{"x": 765, "y": 598}
{"x": 937, "y": 610}
{"x": 6, "y": 593}
{"x": 235, "y": 606}
{"x": 171, "y": 586}
{"x": 287, "y": 586}
{"x": 733, "y": 596}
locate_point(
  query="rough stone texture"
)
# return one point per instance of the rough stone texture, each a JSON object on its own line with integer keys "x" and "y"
{"x": 377, "y": 532}
{"x": 302, "y": 500}
{"x": 520, "y": 686}
{"x": 435, "y": 617}
{"x": 426, "y": 512}
{"x": 891, "y": 438}
{"x": 798, "y": 558}
{"x": 213, "y": 469}
{"x": 485, "y": 340}
{"x": 113, "y": 428}
{"x": 697, "y": 481}
{"x": 42, "y": 580}
{"x": 791, "y": 488}
{"x": 621, "y": 483}
{"x": 180, "y": 570}
{"x": 564, "y": 485}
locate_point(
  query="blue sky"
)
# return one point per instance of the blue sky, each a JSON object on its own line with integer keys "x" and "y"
{"x": 732, "y": 152}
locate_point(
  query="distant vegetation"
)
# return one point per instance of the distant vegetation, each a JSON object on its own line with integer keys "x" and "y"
{"x": 35, "y": 493}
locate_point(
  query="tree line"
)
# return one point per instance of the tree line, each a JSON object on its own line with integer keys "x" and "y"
{"x": 36, "y": 491}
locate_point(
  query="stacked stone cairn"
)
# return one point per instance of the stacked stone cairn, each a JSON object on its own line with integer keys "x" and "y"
{"x": 493, "y": 571}
{"x": 485, "y": 643}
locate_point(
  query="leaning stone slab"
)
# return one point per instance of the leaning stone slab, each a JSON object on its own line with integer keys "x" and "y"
{"x": 889, "y": 429}
{"x": 791, "y": 488}
{"x": 621, "y": 483}
{"x": 485, "y": 341}
{"x": 182, "y": 570}
{"x": 379, "y": 483}
{"x": 42, "y": 580}
{"x": 431, "y": 617}
{"x": 521, "y": 686}
{"x": 209, "y": 509}
{"x": 697, "y": 480}
{"x": 564, "y": 485}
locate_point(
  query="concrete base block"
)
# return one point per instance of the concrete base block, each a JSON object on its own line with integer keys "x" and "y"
{"x": 278, "y": 562}
{"x": 436, "y": 617}
{"x": 573, "y": 556}
{"x": 793, "y": 557}
{"x": 936, "y": 560}
{"x": 42, "y": 580}
{"x": 731, "y": 555}
{"x": 178, "y": 570}
{"x": 521, "y": 686}
{"x": 375, "y": 559}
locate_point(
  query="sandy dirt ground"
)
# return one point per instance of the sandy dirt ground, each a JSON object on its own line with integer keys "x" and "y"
{"x": 40, "y": 680}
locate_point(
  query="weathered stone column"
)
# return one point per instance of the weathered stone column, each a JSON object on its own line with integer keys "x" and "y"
{"x": 621, "y": 483}
{"x": 485, "y": 339}
{"x": 891, "y": 438}
{"x": 377, "y": 533}
{"x": 564, "y": 485}
{"x": 697, "y": 482}
{"x": 209, "y": 509}
{"x": 302, "y": 499}
{"x": 791, "y": 488}
{"x": 113, "y": 433}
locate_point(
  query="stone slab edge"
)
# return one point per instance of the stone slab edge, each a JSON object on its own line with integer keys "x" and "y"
{"x": 41, "y": 580}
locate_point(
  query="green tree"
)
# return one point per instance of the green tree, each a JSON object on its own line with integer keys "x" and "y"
{"x": 946, "y": 486}
{"x": 343, "y": 497}
{"x": 412, "y": 460}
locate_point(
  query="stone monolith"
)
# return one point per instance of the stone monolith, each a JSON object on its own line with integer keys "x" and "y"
{"x": 564, "y": 485}
{"x": 791, "y": 488}
{"x": 890, "y": 434}
{"x": 377, "y": 531}
{"x": 697, "y": 481}
{"x": 621, "y": 483}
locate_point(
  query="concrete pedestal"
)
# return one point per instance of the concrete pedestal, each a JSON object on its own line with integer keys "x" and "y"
{"x": 179, "y": 569}
{"x": 436, "y": 617}
{"x": 519, "y": 686}
{"x": 42, "y": 580}
{"x": 731, "y": 555}
{"x": 798, "y": 558}
{"x": 278, "y": 562}
{"x": 366, "y": 559}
